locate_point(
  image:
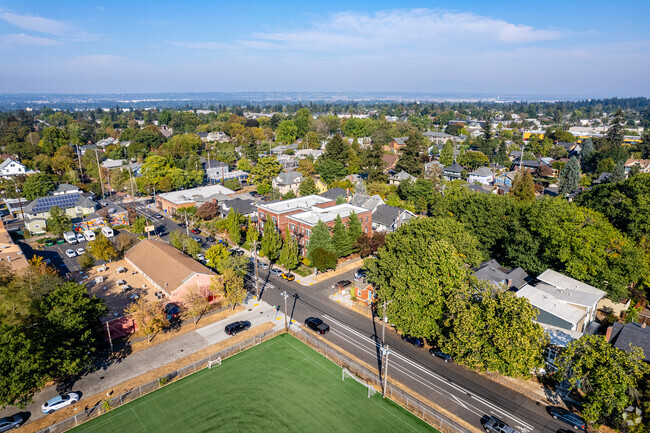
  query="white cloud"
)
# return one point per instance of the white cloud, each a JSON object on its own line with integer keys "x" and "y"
{"x": 36, "y": 23}
{"x": 21, "y": 39}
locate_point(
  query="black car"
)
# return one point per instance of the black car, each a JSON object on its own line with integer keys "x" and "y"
{"x": 568, "y": 417}
{"x": 317, "y": 325}
{"x": 344, "y": 283}
{"x": 237, "y": 327}
{"x": 210, "y": 239}
{"x": 182, "y": 225}
{"x": 416, "y": 341}
{"x": 440, "y": 354}
{"x": 172, "y": 311}
{"x": 10, "y": 422}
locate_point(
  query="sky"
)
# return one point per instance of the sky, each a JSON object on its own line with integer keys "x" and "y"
{"x": 580, "y": 48}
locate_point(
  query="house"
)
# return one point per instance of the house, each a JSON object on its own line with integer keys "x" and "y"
{"x": 246, "y": 208}
{"x": 563, "y": 302}
{"x": 10, "y": 252}
{"x": 603, "y": 178}
{"x": 168, "y": 269}
{"x": 492, "y": 271}
{"x": 397, "y": 143}
{"x": 515, "y": 155}
{"x": 569, "y": 147}
{"x": 203, "y": 136}
{"x": 480, "y": 188}
{"x": 363, "y": 291}
{"x": 390, "y": 161}
{"x": 219, "y": 136}
{"x": 321, "y": 186}
{"x": 308, "y": 153}
{"x": 335, "y": 193}
{"x": 166, "y": 131}
{"x": 75, "y": 204}
{"x": 285, "y": 182}
{"x": 433, "y": 168}
{"x": 400, "y": 177}
{"x": 505, "y": 179}
{"x": 367, "y": 202}
{"x": 10, "y": 167}
{"x": 483, "y": 175}
{"x": 289, "y": 162}
{"x": 623, "y": 336}
{"x": 216, "y": 171}
{"x": 530, "y": 165}
{"x": 453, "y": 172}
{"x": 438, "y": 137}
{"x": 110, "y": 214}
{"x": 108, "y": 141}
{"x": 643, "y": 164}
{"x": 170, "y": 202}
{"x": 388, "y": 219}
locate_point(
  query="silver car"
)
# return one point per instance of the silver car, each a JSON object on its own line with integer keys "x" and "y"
{"x": 9, "y": 422}
{"x": 59, "y": 402}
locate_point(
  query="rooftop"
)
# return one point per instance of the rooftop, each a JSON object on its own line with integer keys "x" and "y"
{"x": 311, "y": 217}
{"x": 193, "y": 195}
{"x": 305, "y": 202}
{"x": 547, "y": 302}
{"x": 569, "y": 290}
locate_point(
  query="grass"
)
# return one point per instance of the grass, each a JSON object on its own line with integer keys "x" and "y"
{"x": 280, "y": 385}
{"x": 303, "y": 270}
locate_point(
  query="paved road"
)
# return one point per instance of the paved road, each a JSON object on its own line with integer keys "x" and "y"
{"x": 453, "y": 387}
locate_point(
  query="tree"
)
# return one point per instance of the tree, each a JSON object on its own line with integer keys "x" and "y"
{"x": 324, "y": 259}
{"x": 196, "y": 303}
{"x": 37, "y": 185}
{"x": 230, "y": 286}
{"x": 618, "y": 174}
{"x": 138, "y": 226}
{"x": 86, "y": 261}
{"x": 569, "y": 177}
{"x": 252, "y": 235}
{"x": 336, "y": 150}
{"x": 271, "y": 241}
{"x": 472, "y": 160}
{"x": 149, "y": 316}
{"x": 354, "y": 231}
{"x": 102, "y": 249}
{"x": 409, "y": 161}
{"x": 368, "y": 246}
{"x": 232, "y": 184}
{"x": 215, "y": 255}
{"x": 372, "y": 162}
{"x": 264, "y": 171}
{"x": 58, "y": 222}
{"x": 340, "y": 240}
{"x": 607, "y": 377}
{"x": 447, "y": 154}
{"x": 289, "y": 254}
{"x": 320, "y": 239}
{"x": 286, "y": 132}
{"x": 523, "y": 186}
{"x": 302, "y": 121}
{"x": 22, "y": 372}
{"x": 615, "y": 132}
{"x": 233, "y": 225}
{"x": 244, "y": 164}
{"x": 207, "y": 211}
{"x": 586, "y": 153}
{"x": 306, "y": 167}
{"x": 307, "y": 187}
{"x": 331, "y": 170}
{"x": 238, "y": 264}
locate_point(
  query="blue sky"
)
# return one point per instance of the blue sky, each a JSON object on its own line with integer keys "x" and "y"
{"x": 574, "y": 48}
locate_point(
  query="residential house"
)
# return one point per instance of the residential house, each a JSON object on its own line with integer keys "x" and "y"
{"x": 530, "y": 165}
{"x": 397, "y": 144}
{"x": 168, "y": 269}
{"x": 10, "y": 252}
{"x": 400, "y": 177}
{"x": 216, "y": 171}
{"x": 483, "y": 175}
{"x": 453, "y": 172}
{"x": 390, "y": 161}
{"x": 388, "y": 219}
{"x": 170, "y": 202}
{"x": 246, "y": 208}
{"x": 433, "y": 168}
{"x": 492, "y": 271}
{"x": 166, "y": 131}
{"x": 335, "y": 193}
{"x": 308, "y": 153}
{"x": 10, "y": 167}
{"x": 108, "y": 141}
{"x": 643, "y": 164}
{"x": 438, "y": 137}
{"x": 363, "y": 291}
{"x": 219, "y": 136}
{"x": 289, "y": 181}
{"x": 289, "y": 162}
{"x": 321, "y": 186}
{"x": 75, "y": 204}
{"x": 481, "y": 188}
{"x": 624, "y": 336}
{"x": 367, "y": 202}
{"x": 515, "y": 155}
{"x": 505, "y": 179}
{"x": 203, "y": 136}
{"x": 569, "y": 147}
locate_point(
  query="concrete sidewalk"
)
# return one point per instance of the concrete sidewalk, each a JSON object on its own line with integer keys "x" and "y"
{"x": 156, "y": 356}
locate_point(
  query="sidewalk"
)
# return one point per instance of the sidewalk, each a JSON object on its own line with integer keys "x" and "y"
{"x": 141, "y": 362}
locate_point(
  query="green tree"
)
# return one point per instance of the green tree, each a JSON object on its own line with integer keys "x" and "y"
{"x": 264, "y": 171}
{"x": 373, "y": 164}
{"x": 271, "y": 241}
{"x": 615, "y": 132}
{"x": 569, "y": 177}
{"x": 216, "y": 255}
{"x": 244, "y": 164}
{"x": 586, "y": 154}
{"x": 447, "y": 154}
{"x": 138, "y": 226}
{"x": 331, "y": 170}
{"x": 230, "y": 286}
{"x": 336, "y": 150}
{"x": 307, "y": 187}
{"x": 320, "y": 239}
{"x": 286, "y": 132}
{"x": 233, "y": 225}
{"x": 302, "y": 121}
{"x": 252, "y": 235}
{"x": 232, "y": 184}
{"x": 472, "y": 160}
{"x": 58, "y": 222}
{"x": 523, "y": 186}
{"x": 324, "y": 259}
{"x": 37, "y": 185}
{"x": 354, "y": 231}
{"x": 341, "y": 242}
{"x": 607, "y": 377}
{"x": 102, "y": 249}
{"x": 86, "y": 261}
{"x": 289, "y": 254}
{"x": 409, "y": 160}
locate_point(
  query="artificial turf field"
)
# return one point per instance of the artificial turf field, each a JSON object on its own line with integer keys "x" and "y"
{"x": 281, "y": 385}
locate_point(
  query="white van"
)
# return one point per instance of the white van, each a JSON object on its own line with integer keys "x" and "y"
{"x": 108, "y": 232}
{"x": 89, "y": 235}
{"x": 70, "y": 237}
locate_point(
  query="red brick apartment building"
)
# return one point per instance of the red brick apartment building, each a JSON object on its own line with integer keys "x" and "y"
{"x": 298, "y": 216}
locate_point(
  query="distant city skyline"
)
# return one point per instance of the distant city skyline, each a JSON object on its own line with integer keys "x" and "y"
{"x": 577, "y": 49}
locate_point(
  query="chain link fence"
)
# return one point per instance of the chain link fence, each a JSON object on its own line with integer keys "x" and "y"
{"x": 406, "y": 400}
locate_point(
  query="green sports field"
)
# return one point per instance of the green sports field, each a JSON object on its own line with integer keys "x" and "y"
{"x": 281, "y": 385}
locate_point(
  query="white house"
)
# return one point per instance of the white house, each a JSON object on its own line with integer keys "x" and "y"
{"x": 481, "y": 175}
{"x": 9, "y": 167}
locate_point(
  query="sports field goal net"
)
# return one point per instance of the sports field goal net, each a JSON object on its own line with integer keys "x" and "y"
{"x": 346, "y": 373}
{"x": 216, "y": 361}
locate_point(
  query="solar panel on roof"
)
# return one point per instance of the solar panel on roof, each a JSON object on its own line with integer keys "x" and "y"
{"x": 63, "y": 201}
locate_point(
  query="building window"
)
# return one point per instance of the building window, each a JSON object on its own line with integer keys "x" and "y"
{"x": 307, "y": 232}
{"x": 275, "y": 221}
{"x": 366, "y": 220}
{"x": 293, "y": 227}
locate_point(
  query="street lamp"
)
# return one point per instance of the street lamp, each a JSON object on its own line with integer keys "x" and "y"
{"x": 285, "y": 295}
{"x": 385, "y": 351}
{"x": 383, "y": 325}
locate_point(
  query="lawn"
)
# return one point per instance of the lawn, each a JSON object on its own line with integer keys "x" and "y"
{"x": 280, "y": 385}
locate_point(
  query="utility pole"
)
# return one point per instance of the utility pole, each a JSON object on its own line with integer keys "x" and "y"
{"x": 383, "y": 325}
{"x": 257, "y": 281}
{"x": 286, "y": 295}
{"x": 187, "y": 226}
{"x": 132, "y": 191}
{"x": 110, "y": 340}
{"x": 81, "y": 171}
{"x": 386, "y": 352}
{"x": 99, "y": 169}
{"x": 521, "y": 158}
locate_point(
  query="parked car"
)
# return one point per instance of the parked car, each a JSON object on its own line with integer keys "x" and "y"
{"x": 361, "y": 273}
{"x": 344, "y": 283}
{"x": 237, "y": 327}
{"x": 80, "y": 237}
{"x": 9, "y": 422}
{"x": 201, "y": 257}
{"x": 317, "y": 325}
{"x": 263, "y": 265}
{"x": 574, "y": 420}
{"x": 59, "y": 402}
{"x": 198, "y": 239}
{"x": 182, "y": 225}
{"x": 172, "y": 311}
{"x": 276, "y": 272}
{"x": 494, "y": 424}
{"x": 157, "y": 216}
{"x": 236, "y": 252}
{"x": 440, "y": 354}
{"x": 223, "y": 242}
{"x": 80, "y": 251}
{"x": 70, "y": 253}
{"x": 210, "y": 239}
{"x": 195, "y": 231}
{"x": 288, "y": 276}
{"x": 416, "y": 341}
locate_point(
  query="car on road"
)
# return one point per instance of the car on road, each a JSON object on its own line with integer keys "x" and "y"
{"x": 440, "y": 354}
{"x": 344, "y": 283}
{"x": 80, "y": 251}
{"x": 361, "y": 273}
{"x": 276, "y": 272}
{"x": 182, "y": 225}
{"x": 59, "y": 402}
{"x": 317, "y": 325}
{"x": 70, "y": 253}
{"x": 237, "y": 327}
{"x": 263, "y": 265}
{"x": 9, "y": 422}
{"x": 80, "y": 237}
{"x": 416, "y": 341}
{"x": 201, "y": 257}
{"x": 575, "y": 421}
{"x": 195, "y": 231}
{"x": 172, "y": 311}
{"x": 236, "y": 252}
{"x": 288, "y": 276}
{"x": 494, "y": 424}
{"x": 210, "y": 239}
{"x": 157, "y": 216}
{"x": 197, "y": 239}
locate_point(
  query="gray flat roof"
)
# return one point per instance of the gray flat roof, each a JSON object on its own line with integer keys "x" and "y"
{"x": 305, "y": 203}
{"x": 311, "y": 217}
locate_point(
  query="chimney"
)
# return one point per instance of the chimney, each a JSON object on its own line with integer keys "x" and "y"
{"x": 608, "y": 334}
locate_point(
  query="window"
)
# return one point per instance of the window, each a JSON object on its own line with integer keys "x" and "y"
{"x": 308, "y": 232}
{"x": 275, "y": 221}
{"x": 366, "y": 220}
{"x": 292, "y": 226}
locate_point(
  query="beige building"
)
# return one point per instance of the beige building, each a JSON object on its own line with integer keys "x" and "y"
{"x": 10, "y": 252}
